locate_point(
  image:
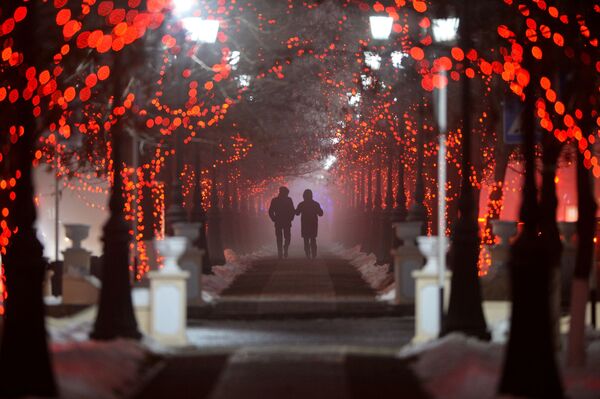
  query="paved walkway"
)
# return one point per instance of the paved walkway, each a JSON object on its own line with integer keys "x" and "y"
{"x": 299, "y": 288}
{"x": 319, "y": 336}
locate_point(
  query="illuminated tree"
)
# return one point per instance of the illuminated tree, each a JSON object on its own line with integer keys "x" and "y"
{"x": 24, "y": 358}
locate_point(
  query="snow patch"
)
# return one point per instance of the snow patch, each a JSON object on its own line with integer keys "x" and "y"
{"x": 98, "y": 370}
{"x": 379, "y": 277}
{"x": 224, "y": 275}
{"x": 460, "y": 367}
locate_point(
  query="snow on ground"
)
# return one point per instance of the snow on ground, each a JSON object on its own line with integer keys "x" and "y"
{"x": 224, "y": 275}
{"x": 98, "y": 370}
{"x": 379, "y": 277}
{"x": 107, "y": 370}
{"x": 460, "y": 367}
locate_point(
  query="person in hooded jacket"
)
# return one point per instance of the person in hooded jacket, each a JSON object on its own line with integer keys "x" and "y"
{"x": 310, "y": 210}
{"x": 281, "y": 212}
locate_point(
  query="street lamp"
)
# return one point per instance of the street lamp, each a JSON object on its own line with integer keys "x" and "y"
{"x": 465, "y": 311}
{"x": 201, "y": 30}
{"x": 444, "y": 31}
{"x": 381, "y": 27}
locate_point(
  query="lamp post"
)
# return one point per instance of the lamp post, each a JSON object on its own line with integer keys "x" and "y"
{"x": 465, "y": 312}
{"x": 417, "y": 211}
{"x": 201, "y": 31}
{"x": 444, "y": 31}
{"x": 381, "y": 29}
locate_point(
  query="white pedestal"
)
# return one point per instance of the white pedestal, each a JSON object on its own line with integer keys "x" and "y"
{"x": 427, "y": 304}
{"x": 168, "y": 306}
{"x": 191, "y": 260}
{"x": 80, "y": 290}
{"x": 141, "y": 305}
{"x": 77, "y": 261}
{"x": 407, "y": 259}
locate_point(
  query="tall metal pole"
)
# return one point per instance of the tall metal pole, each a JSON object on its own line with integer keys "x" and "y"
{"x": 56, "y": 214}
{"x": 442, "y": 176}
{"x": 465, "y": 311}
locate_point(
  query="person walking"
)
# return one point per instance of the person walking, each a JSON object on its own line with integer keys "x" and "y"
{"x": 310, "y": 211}
{"x": 281, "y": 212}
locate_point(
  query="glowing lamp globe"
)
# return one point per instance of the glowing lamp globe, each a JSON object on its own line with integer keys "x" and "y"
{"x": 201, "y": 30}
{"x": 445, "y": 29}
{"x": 181, "y": 7}
{"x": 381, "y": 27}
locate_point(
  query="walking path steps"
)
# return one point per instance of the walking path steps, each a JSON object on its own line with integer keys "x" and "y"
{"x": 293, "y": 329}
{"x": 300, "y": 288}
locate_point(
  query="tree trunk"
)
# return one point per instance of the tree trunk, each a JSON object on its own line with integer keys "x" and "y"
{"x": 116, "y": 318}
{"x": 25, "y": 366}
{"x": 530, "y": 368}
{"x": 586, "y": 224}
{"x": 550, "y": 236}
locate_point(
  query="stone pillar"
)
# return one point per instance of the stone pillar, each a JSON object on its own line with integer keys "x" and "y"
{"x": 78, "y": 287}
{"x": 407, "y": 259}
{"x": 427, "y": 300}
{"x": 191, "y": 260}
{"x": 77, "y": 259}
{"x": 168, "y": 308}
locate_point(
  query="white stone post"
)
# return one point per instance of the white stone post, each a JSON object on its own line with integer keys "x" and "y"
{"x": 168, "y": 304}
{"x": 407, "y": 258}
{"x": 427, "y": 301}
{"x": 77, "y": 259}
{"x": 191, "y": 260}
{"x": 78, "y": 286}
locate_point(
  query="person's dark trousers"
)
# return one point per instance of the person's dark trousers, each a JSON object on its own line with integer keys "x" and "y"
{"x": 310, "y": 247}
{"x": 282, "y": 247}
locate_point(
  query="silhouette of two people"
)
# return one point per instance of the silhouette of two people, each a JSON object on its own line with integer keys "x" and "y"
{"x": 282, "y": 212}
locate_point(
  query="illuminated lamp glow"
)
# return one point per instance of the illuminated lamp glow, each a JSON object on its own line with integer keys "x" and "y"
{"x": 329, "y": 161}
{"x": 372, "y": 60}
{"x": 381, "y": 27}
{"x": 243, "y": 80}
{"x": 181, "y": 7}
{"x": 445, "y": 29}
{"x": 202, "y": 30}
{"x": 397, "y": 57}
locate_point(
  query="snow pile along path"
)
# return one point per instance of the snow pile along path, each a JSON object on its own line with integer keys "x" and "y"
{"x": 459, "y": 367}
{"x": 379, "y": 277}
{"x": 98, "y": 370}
{"x": 224, "y": 275}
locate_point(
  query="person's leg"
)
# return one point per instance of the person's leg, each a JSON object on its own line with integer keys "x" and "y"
{"x": 307, "y": 247}
{"x": 313, "y": 247}
{"x": 287, "y": 234}
{"x": 279, "y": 236}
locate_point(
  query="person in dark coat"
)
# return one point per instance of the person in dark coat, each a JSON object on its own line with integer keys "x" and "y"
{"x": 281, "y": 212}
{"x": 310, "y": 211}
